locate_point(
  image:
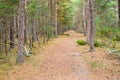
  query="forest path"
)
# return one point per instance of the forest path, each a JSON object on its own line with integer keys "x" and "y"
{"x": 60, "y": 61}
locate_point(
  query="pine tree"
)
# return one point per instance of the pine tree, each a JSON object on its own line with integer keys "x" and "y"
{"x": 20, "y": 54}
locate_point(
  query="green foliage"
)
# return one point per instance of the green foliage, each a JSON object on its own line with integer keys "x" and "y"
{"x": 66, "y": 12}
{"x": 106, "y": 23}
{"x": 81, "y": 42}
{"x": 32, "y": 6}
{"x": 67, "y": 34}
{"x": 108, "y": 10}
{"x": 109, "y": 32}
{"x": 8, "y": 7}
{"x": 108, "y": 36}
{"x": 116, "y": 34}
{"x": 48, "y": 31}
{"x": 97, "y": 44}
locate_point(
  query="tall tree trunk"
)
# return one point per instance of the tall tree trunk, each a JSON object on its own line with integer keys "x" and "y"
{"x": 30, "y": 34}
{"x": 84, "y": 20}
{"x": 87, "y": 13}
{"x": 26, "y": 32}
{"x": 11, "y": 32}
{"x": 51, "y": 14}
{"x": 26, "y": 26}
{"x": 17, "y": 25}
{"x": 20, "y": 54}
{"x": 55, "y": 17}
{"x": 119, "y": 12}
{"x": 92, "y": 32}
{"x": 34, "y": 30}
{"x": 0, "y": 36}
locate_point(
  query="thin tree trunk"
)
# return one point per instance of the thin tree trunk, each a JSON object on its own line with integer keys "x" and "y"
{"x": 51, "y": 14}
{"x": 20, "y": 54}
{"x": 92, "y": 32}
{"x": 119, "y": 12}
{"x": 0, "y": 36}
{"x": 25, "y": 32}
{"x": 84, "y": 20}
{"x": 34, "y": 35}
{"x": 6, "y": 50}
{"x": 26, "y": 27}
{"x": 55, "y": 18}
{"x": 87, "y": 13}
{"x": 30, "y": 32}
{"x": 17, "y": 25}
{"x": 12, "y": 32}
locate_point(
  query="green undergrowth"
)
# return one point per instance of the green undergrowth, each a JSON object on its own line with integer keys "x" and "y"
{"x": 109, "y": 32}
{"x": 66, "y": 34}
{"x": 96, "y": 43}
{"x": 110, "y": 38}
{"x": 81, "y": 42}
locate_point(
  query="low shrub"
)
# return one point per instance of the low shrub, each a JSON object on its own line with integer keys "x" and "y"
{"x": 67, "y": 34}
{"x": 81, "y": 42}
{"x": 117, "y": 35}
{"x": 105, "y": 32}
{"x": 48, "y": 32}
{"x": 109, "y": 32}
{"x": 97, "y": 44}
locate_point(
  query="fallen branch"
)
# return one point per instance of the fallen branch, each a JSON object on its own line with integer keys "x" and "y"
{"x": 27, "y": 51}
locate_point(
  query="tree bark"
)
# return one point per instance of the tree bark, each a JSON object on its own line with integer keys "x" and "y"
{"x": 87, "y": 13}
{"x": 50, "y": 5}
{"x": 53, "y": 15}
{"x": 12, "y": 32}
{"x": 17, "y": 25}
{"x": 119, "y": 12}
{"x": 20, "y": 54}
{"x": 84, "y": 20}
{"x": 25, "y": 32}
{"x": 34, "y": 31}
{"x": 92, "y": 32}
{"x": 55, "y": 18}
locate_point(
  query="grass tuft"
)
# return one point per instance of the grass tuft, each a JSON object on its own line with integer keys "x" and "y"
{"x": 97, "y": 44}
{"x": 67, "y": 34}
{"x": 81, "y": 42}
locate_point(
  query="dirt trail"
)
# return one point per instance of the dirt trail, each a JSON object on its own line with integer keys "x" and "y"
{"x": 64, "y": 62}
{"x": 61, "y": 61}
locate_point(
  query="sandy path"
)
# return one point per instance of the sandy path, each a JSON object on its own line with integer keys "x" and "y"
{"x": 64, "y": 62}
{"x": 61, "y": 62}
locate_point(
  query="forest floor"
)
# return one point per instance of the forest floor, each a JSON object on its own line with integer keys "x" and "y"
{"x": 63, "y": 59}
